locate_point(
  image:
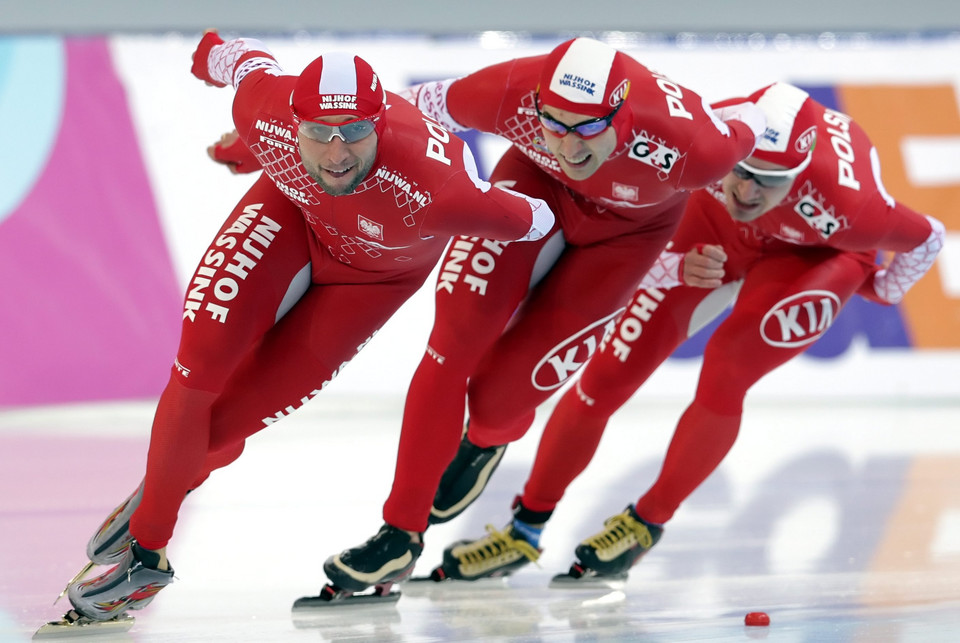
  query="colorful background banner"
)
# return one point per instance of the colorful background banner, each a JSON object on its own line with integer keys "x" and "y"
{"x": 88, "y": 299}
{"x": 107, "y": 198}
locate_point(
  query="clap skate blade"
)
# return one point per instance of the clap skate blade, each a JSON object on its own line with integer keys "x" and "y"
{"x": 73, "y": 624}
{"x": 333, "y": 596}
{"x": 440, "y": 575}
{"x": 584, "y": 578}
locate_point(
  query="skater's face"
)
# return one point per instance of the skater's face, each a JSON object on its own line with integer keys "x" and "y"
{"x": 337, "y": 165}
{"x": 579, "y": 154}
{"x": 751, "y": 194}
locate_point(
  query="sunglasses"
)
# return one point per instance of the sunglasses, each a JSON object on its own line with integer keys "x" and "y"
{"x": 769, "y": 178}
{"x": 585, "y": 129}
{"x": 349, "y": 132}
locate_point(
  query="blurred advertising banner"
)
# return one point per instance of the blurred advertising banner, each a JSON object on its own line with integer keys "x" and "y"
{"x": 88, "y": 299}
{"x": 107, "y": 198}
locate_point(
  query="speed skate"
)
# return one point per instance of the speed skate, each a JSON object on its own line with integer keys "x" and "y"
{"x": 75, "y": 624}
{"x": 333, "y": 596}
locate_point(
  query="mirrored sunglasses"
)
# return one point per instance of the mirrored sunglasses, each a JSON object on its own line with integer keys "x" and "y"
{"x": 766, "y": 178}
{"x": 584, "y": 129}
{"x": 349, "y": 132}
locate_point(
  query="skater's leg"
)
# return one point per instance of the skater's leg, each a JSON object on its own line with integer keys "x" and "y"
{"x": 555, "y": 330}
{"x": 710, "y": 426}
{"x": 624, "y": 362}
{"x": 469, "y": 318}
{"x": 218, "y": 331}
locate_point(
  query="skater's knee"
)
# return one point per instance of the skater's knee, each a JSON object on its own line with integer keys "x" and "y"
{"x": 494, "y": 429}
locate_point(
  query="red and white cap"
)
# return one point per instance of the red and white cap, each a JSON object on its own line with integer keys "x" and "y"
{"x": 337, "y": 84}
{"x": 585, "y": 76}
{"x": 791, "y": 132}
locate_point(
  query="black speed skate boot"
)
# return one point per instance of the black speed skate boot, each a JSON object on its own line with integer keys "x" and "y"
{"x": 499, "y": 553}
{"x": 610, "y": 553}
{"x": 381, "y": 561}
{"x": 464, "y": 479}
{"x": 130, "y": 585}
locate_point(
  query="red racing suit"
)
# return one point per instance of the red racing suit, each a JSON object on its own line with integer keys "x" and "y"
{"x": 795, "y": 268}
{"x": 297, "y": 281}
{"x": 515, "y": 321}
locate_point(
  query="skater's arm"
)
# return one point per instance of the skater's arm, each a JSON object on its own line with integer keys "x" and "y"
{"x": 221, "y": 63}
{"x": 234, "y": 153}
{"x": 701, "y": 266}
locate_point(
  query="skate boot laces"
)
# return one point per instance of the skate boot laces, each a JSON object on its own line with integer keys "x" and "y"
{"x": 622, "y": 533}
{"x": 494, "y": 550}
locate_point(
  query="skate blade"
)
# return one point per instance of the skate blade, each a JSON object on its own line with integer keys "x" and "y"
{"x": 340, "y": 599}
{"x": 422, "y": 579}
{"x": 489, "y": 581}
{"x": 65, "y": 628}
{"x": 589, "y": 580}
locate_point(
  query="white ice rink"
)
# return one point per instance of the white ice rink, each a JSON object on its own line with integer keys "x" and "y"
{"x": 840, "y": 520}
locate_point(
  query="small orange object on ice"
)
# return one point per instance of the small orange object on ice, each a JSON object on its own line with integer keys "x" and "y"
{"x": 757, "y": 618}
